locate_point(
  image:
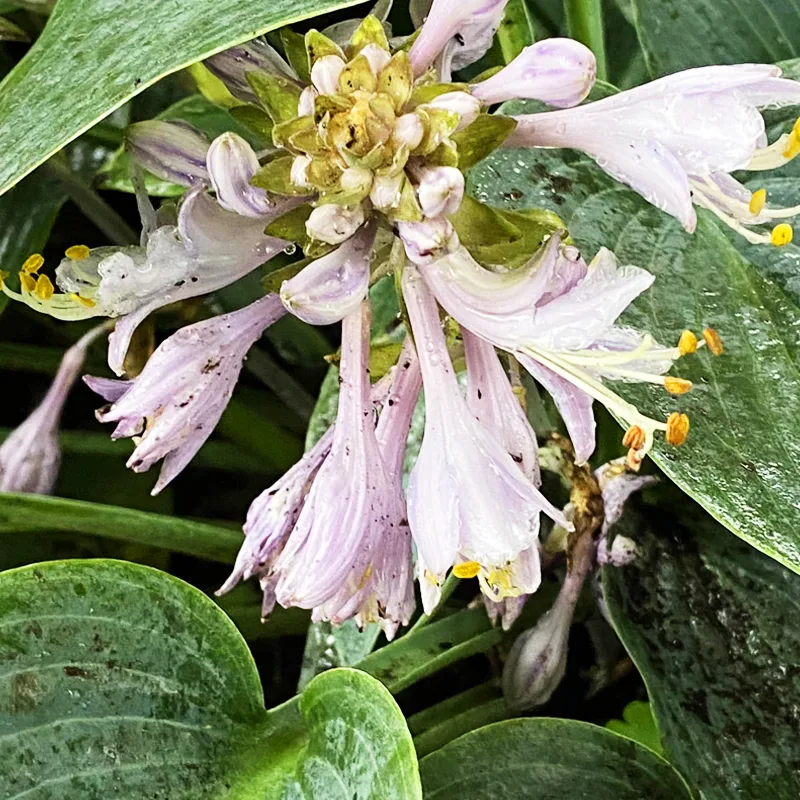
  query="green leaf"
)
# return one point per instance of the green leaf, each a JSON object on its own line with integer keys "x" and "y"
{"x": 278, "y": 94}
{"x": 23, "y": 513}
{"x": 359, "y": 746}
{"x": 204, "y": 115}
{"x": 481, "y": 138}
{"x": 120, "y": 680}
{"x": 548, "y": 759}
{"x": 638, "y": 724}
{"x": 516, "y": 30}
{"x": 710, "y": 624}
{"x": 9, "y": 32}
{"x": 129, "y": 45}
{"x": 739, "y": 460}
{"x": 676, "y": 34}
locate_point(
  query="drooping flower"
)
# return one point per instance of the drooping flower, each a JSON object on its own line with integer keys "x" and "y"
{"x": 469, "y": 504}
{"x": 468, "y": 26}
{"x": 342, "y": 547}
{"x": 30, "y": 457}
{"x": 330, "y": 288}
{"x": 559, "y": 72}
{"x": 177, "y": 400}
{"x": 558, "y": 318}
{"x": 676, "y": 140}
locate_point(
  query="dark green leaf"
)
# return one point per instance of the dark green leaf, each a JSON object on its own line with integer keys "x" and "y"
{"x": 740, "y": 459}
{"x": 45, "y": 101}
{"x": 711, "y": 626}
{"x": 548, "y": 759}
{"x": 677, "y": 34}
{"x": 359, "y": 746}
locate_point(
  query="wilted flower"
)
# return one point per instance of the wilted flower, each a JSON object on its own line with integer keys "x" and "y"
{"x": 559, "y": 72}
{"x": 31, "y": 455}
{"x": 557, "y": 317}
{"x": 677, "y": 139}
{"x": 175, "y": 403}
{"x": 330, "y": 288}
{"x": 469, "y": 504}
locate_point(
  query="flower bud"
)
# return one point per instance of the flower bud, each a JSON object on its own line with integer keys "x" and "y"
{"x": 559, "y": 72}
{"x": 231, "y": 165}
{"x": 334, "y": 224}
{"x": 440, "y": 191}
{"x": 538, "y": 660}
{"x": 174, "y": 151}
{"x": 325, "y": 74}
{"x": 408, "y": 131}
{"x": 386, "y": 191}
{"x": 426, "y": 241}
{"x": 462, "y": 103}
{"x": 305, "y": 105}
{"x": 377, "y": 57}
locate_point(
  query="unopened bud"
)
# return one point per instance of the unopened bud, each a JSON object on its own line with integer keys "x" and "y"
{"x": 173, "y": 150}
{"x": 305, "y": 105}
{"x": 538, "y": 660}
{"x": 440, "y": 191}
{"x": 386, "y": 191}
{"x": 231, "y": 165}
{"x": 426, "y": 241}
{"x": 559, "y": 72}
{"x": 334, "y": 224}
{"x": 408, "y": 131}
{"x": 325, "y": 74}
{"x": 465, "y": 105}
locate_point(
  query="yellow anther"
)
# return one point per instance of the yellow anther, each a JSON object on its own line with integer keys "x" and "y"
{"x": 469, "y": 569}
{"x": 78, "y": 252}
{"x": 33, "y": 264}
{"x": 711, "y": 338}
{"x": 781, "y": 234}
{"x": 84, "y": 301}
{"x": 634, "y": 438}
{"x": 757, "y": 202}
{"x": 633, "y": 461}
{"x": 677, "y": 428}
{"x": 28, "y": 283}
{"x": 687, "y": 343}
{"x": 677, "y": 385}
{"x": 793, "y": 144}
{"x": 44, "y": 288}
{"x": 499, "y": 578}
{"x": 3, "y": 276}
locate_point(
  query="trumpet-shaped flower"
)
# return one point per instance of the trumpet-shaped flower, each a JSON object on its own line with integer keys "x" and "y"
{"x": 31, "y": 455}
{"x": 210, "y": 248}
{"x": 557, "y": 318}
{"x": 177, "y": 400}
{"x": 348, "y": 554}
{"x": 676, "y": 140}
{"x": 559, "y": 72}
{"x": 330, "y": 288}
{"x": 470, "y": 25}
{"x": 469, "y": 504}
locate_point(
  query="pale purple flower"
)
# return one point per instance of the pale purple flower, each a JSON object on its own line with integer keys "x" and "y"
{"x": 31, "y": 455}
{"x": 429, "y": 240}
{"x": 559, "y": 72}
{"x": 468, "y": 26}
{"x": 334, "y": 224}
{"x": 493, "y": 403}
{"x": 558, "y": 319}
{"x": 440, "y": 190}
{"x": 173, "y": 150}
{"x": 348, "y": 554}
{"x": 332, "y": 287}
{"x": 177, "y": 400}
{"x": 676, "y": 140}
{"x": 231, "y": 67}
{"x": 469, "y": 504}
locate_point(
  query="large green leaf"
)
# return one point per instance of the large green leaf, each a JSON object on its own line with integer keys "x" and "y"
{"x": 359, "y": 745}
{"x": 740, "y": 461}
{"x": 93, "y": 55}
{"x": 548, "y": 759}
{"x": 711, "y": 625}
{"x": 676, "y": 34}
{"x": 119, "y": 680}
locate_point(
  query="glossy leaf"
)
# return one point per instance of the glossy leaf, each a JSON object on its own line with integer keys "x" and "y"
{"x": 548, "y": 759}
{"x": 710, "y": 624}
{"x": 359, "y": 745}
{"x": 130, "y": 44}
{"x": 676, "y": 34}
{"x": 739, "y": 460}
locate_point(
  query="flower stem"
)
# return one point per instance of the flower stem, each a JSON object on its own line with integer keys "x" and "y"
{"x": 448, "y": 587}
{"x": 585, "y": 23}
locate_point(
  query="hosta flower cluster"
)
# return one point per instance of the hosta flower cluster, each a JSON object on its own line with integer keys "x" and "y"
{"x": 367, "y": 141}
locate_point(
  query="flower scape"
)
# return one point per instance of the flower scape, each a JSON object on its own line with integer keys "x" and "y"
{"x": 369, "y": 142}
